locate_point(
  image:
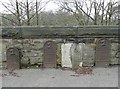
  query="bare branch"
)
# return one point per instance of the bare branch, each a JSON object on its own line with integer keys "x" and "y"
{"x": 11, "y": 20}
{"x": 8, "y": 9}
{"x": 39, "y": 10}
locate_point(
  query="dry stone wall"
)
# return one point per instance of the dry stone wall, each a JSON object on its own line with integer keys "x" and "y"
{"x": 32, "y": 51}
{"x": 115, "y": 53}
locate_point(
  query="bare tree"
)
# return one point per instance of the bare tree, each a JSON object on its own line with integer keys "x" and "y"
{"x": 18, "y": 13}
{"x": 37, "y": 16}
{"x": 96, "y": 10}
{"x": 11, "y": 7}
{"x": 24, "y": 11}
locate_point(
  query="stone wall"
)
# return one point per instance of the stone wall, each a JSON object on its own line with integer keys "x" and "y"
{"x": 32, "y": 50}
{"x": 115, "y": 53}
{"x": 4, "y": 44}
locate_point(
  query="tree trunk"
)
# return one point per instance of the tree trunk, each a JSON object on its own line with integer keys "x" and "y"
{"x": 110, "y": 12}
{"x": 37, "y": 17}
{"x": 95, "y": 17}
{"x": 102, "y": 22}
{"x": 27, "y": 12}
{"x": 18, "y": 14}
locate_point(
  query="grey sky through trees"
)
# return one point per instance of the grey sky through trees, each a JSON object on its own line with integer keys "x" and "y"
{"x": 51, "y": 6}
{"x": 83, "y": 11}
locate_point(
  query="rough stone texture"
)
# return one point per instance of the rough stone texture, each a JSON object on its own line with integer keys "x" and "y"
{"x": 65, "y": 50}
{"x": 114, "y": 57}
{"x": 59, "y": 54}
{"x": 82, "y": 53}
{"x": 4, "y": 44}
{"x": 32, "y": 50}
{"x": 88, "y": 55}
{"x": 76, "y": 53}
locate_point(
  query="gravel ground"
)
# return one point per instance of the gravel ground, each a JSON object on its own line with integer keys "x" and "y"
{"x": 101, "y": 77}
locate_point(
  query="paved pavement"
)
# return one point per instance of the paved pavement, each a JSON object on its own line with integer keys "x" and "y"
{"x": 101, "y": 77}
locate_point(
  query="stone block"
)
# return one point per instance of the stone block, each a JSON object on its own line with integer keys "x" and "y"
{"x": 37, "y": 41}
{"x": 36, "y": 47}
{"x": 114, "y": 46}
{"x": 33, "y": 53}
{"x": 18, "y": 46}
{"x": 113, "y": 53}
{"x": 26, "y": 46}
{"x": 35, "y": 60}
{"x": 115, "y": 61}
{"x": 88, "y": 53}
{"x": 25, "y": 60}
{"x": 3, "y": 56}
